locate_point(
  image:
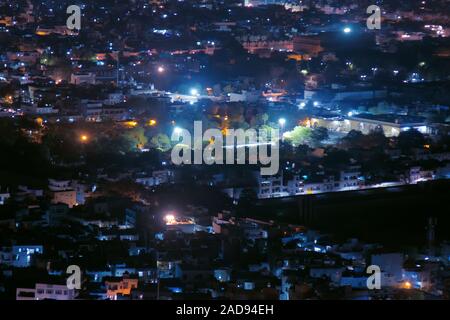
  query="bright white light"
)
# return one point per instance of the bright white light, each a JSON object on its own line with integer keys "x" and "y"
{"x": 316, "y": 103}
{"x": 282, "y": 121}
{"x": 194, "y": 92}
{"x": 302, "y": 105}
{"x": 170, "y": 218}
{"x": 350, "y": 113}
{"x": 161, "y": 69}
{"x": 177, "y": 130}
{"x": 347, "y": 30}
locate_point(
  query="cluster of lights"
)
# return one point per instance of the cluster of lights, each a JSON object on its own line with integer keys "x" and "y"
{"x": 169, "y": 218}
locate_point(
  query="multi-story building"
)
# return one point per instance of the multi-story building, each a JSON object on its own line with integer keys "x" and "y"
{"x": 271, "y": 186}
{"x": 82, "y": 78}
{"x": 119, "y": 286}
{"x": 22, "y": 255}
{"x": 46, "y": 291}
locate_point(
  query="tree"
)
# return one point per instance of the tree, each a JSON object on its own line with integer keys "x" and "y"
{"x": 266, "y": 129}
{"x": 410, "y": 139}
{"x": 319, "y": 134}
{"x": 353, "y": 135}
{"x": 302, "y": 151}
{"x": 264, "y": 118}
{"x": 336, "y": 158}
{"x": 8, "y": 132}
{"x": 352, "y": 139}
{"x": 375, "y": 139}
{"x": 300, "y": 135}
{"x": 261, "y": 118}
{"x": 247, "y": 198}
{"x": 161, "y": 142}
{"x": 135, "y": 138}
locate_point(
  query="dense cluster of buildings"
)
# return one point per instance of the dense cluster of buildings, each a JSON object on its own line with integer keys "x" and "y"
{"x": 194, "y": 253}
{"x": 100, "y": 103}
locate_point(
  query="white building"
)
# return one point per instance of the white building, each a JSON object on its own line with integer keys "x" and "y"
{"x": 43, "y": 291}
{"x": 271, "y": 186}
{"x": 349, "y": 178}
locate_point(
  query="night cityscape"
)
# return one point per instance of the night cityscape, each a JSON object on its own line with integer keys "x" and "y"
{"x": 224, "y": 150}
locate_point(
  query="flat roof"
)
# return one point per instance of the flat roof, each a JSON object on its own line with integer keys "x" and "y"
{"x": 396, "y": 119}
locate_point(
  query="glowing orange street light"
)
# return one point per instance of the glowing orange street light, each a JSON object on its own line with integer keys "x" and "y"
{"x": 131, "y": 124}
{"x": 9, "y": 99}
{"x": 152, "y": 122}
{"x": 84, "y": 138}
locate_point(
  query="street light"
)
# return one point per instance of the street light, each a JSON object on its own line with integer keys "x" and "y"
{"x": 84, "y": 138}
{"x": 169, "y": 218}
{"x": 161, "y": 69}
{"x": 194, "y": 92}
{"x": 347, "y": 30}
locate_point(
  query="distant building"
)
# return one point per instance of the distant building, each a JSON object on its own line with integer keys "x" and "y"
{"x": 350, "y": 178}
{"x": 56, "y": 213}
{"x": 245, "y": 96}
{"x": 44, "y": 291}
{"x": 62, "y": 192}
{"x": 391, "y": 124}
{"x": 119, "y": 286}
{"x": 22, "y": 255}
{"x": 3, "y": 197}
{"x": 391, "y": 266}
{"x": 68, "y": 197}
{"x": 310, "y": 45}
{"x": 82, "y": 78}
{"x": 271, "y": 186}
